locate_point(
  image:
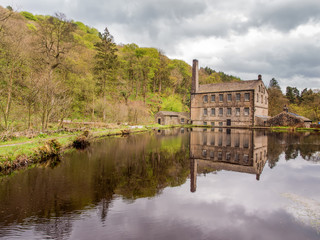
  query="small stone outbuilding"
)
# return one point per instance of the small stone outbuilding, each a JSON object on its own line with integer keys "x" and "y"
{"x": 172, "y": 118}
{"x": 290, "y": 119}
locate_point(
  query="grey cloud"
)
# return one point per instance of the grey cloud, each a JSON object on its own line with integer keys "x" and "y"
{"x": 284, "y": 15}
{"x": 168, "y": 24}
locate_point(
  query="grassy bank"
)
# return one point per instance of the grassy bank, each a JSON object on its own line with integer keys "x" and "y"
{"x": 24, "y": 151}
{"x": 293, "y": 129}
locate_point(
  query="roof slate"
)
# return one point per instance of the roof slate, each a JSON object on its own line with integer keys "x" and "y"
{"x": 229, "y": 86}
{"x": 168, "y": 113}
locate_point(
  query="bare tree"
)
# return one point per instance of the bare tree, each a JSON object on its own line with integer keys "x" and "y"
{"x": 54, "y": 42}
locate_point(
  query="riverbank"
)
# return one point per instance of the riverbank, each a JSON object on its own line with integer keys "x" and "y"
{"x": 25, "y": 151}
{"x": 22, "y": 152}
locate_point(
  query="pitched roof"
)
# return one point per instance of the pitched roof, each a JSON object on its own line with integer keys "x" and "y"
{"x": 292, "y": 115}
{"x": 168, "y": 113}
{"x": 229, "y": 86}
{"x": 301, "y": 117}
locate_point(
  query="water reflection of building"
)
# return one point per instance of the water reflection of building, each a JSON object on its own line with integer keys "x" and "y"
{"x": 226, "y": 149}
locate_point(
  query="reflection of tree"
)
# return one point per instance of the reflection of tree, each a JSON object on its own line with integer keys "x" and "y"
{"x": 274, "y": 149}
{"x": 291, "y": 152}
{"x": 134, "y": 167}
{"x": 307, "y": 144}
{"x": 151, "y": 172}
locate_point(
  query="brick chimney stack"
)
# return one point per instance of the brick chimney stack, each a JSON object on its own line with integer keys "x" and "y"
{"x": 259, "y": 77}
{"x": 195, "y": 76}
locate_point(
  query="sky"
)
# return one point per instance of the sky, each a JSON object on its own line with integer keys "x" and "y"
{"x": 275, "y": 38}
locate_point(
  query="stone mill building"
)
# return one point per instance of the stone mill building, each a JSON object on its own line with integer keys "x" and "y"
{"x": 243, "y": 103}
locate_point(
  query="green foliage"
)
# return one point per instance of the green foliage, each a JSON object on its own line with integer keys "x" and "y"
{"x": 274, "y": 84}
{"x": 173, "y": 103}
{"x": 207, "y": 76}
{"x": 29, "y": 16}
{"x": 31, "y": 27}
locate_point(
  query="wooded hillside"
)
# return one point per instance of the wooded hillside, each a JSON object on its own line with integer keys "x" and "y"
{"x": 52, "y": 69}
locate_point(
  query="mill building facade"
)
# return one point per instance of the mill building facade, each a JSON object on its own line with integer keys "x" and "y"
{"x": 242, "y": 103}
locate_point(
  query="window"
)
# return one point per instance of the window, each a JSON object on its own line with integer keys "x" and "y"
{"x": 182, "y": 120}
{"x": 236, "y": 157}
{"x": 237, "y": 141}
{"x": 228, "y": 140}
{"x": 213, "y": 111}
{"x": 247, "y": 96}
{"x": 229, "y": 97}
{"x": 229, "y": 111}
{"x": 212, "y": 140}
{"x": 257, "y": 97}
{"x": 219, "y": 155}
{"x": 213, "y": 98}
{"x": 205, "y": 98}
{"x": 237, "y": 111}
{"x": 245, "y": 158}
{"x": 204, "y": 139}
{"x": 265, "y": 100}
{"x": 211, "y": 154}
{"x": 220, "y": 123}
{"x": 261, "y": 99}
{"x": 246, "y": 111}
{"x": 228, "y": 156}
{"x": 238, "y": 97}
{"x": 220, "y": 97}
{"x": 246, "y": 142}
{"x": 205, "y": 123}
{"x": 204, "y": 153}
{"x": 212, "y": 123}
{"x": 205, "y": 112}
{"x": 220, "y": 111}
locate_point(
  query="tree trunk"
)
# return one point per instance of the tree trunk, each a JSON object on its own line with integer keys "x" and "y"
{"x": 7, "y": 111}
{"x": 92, "y": 114}
{"x": 104, "y": 101}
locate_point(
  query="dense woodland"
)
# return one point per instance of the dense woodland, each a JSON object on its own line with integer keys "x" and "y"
{"x": 53, "y": 69}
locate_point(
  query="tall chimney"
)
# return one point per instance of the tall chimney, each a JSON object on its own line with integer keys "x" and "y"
{"x": 193, "y": 175}
{"x": 195, "y": 76}
{"x": 259, "y": 77}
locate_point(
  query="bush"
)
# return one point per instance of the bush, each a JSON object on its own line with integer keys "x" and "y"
{"x": 51, "y": 148}
{"x": 29, "y": 16}
{"x": 81, "y": 141}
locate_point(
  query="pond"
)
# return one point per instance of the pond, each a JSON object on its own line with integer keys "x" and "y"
{"x": 172, "y": 184}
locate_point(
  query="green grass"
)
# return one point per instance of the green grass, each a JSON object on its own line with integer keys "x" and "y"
{"x": 10, "y": 153}
{"x": 27, "y": 147}
{"x": 294, "y": 129}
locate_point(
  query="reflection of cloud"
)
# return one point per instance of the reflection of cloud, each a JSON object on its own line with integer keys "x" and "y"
{"x": 305, "y": 210}
{"x": 187, "y": 217}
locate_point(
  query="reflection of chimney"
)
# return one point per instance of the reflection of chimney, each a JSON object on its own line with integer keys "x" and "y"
{"x": 259, "y": 77}
{"x": 257, "y": 177}
{"x": 193, "y": 175}
{"x": 195, "y": 76}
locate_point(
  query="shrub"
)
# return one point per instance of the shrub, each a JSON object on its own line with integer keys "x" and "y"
{"x": 29, "y": 16}
{"x": 51, "y": 148}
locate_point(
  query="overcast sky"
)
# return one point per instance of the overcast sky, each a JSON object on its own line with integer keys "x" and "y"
{"x": 275, "y": 38}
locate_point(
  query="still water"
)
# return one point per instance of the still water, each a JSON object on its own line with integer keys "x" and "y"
{"x": 172, "y": 184}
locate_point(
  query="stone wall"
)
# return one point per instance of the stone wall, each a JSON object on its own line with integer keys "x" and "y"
{"x": 198, "y": 105}
{"x": 285, "y": 119}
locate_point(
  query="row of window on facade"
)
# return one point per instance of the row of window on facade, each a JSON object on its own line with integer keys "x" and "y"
{"x": 236, "y": 142}
{"x": 229, "y": 97}
{"x": 262, "y": 89}
{"x": 261, "y": 99}
{"x": 246, "y": 111}
{"x": 219, "y": 157}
